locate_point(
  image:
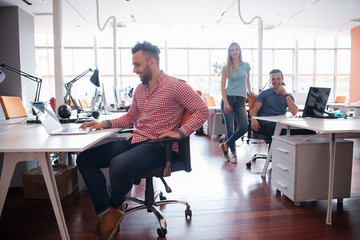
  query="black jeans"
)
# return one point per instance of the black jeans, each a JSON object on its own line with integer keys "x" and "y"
{"x": 125, "y": 160}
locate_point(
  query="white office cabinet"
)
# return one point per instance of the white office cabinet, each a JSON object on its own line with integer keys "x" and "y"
{"x": 214, "y": 125}
{"x": 301, "y": 167}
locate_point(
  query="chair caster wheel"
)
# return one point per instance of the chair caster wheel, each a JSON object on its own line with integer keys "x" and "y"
{"x": 161, "y": 232}
{"x": 162, "y": 197}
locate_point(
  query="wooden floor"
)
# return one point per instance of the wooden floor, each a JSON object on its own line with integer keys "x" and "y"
{"x": 228, "y": 202}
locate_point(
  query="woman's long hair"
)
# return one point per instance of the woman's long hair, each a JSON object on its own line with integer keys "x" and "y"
{"x": 229, "y": 61}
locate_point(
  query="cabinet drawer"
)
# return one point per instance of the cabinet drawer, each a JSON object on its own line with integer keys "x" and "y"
{"x": 283, "y": 185}
{"x": 284, "y": 167}
{"x": 284, "y": 150}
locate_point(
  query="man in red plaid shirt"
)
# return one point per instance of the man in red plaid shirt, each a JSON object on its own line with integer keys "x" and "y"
{"x": 157, "y": 109}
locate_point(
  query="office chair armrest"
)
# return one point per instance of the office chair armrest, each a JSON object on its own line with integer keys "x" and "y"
{"x": 164, "y": 140}
{"x": 168, "y": 151}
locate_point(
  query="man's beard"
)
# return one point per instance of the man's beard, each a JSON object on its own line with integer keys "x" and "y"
{"x": 147, "y": 75}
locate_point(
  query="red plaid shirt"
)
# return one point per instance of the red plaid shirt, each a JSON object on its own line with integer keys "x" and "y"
{"x": 162, "y": 109}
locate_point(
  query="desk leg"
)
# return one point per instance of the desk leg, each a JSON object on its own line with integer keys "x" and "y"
{"x": 277, "y": 132}
{"x": 6, "y": 175}
{"x": 47, "y": 170}
{"x": 332, "y": 155}
{"x": 10, "y": 161}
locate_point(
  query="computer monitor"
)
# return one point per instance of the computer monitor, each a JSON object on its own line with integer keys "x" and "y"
{"x": 109, "y": 97}
{"x": 96, "y": 99}
{"x": 316, "y": 101}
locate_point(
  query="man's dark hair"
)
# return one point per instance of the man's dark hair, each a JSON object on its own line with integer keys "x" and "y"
{"x": 276, "y": 71}
{"x": 147, "y": 48}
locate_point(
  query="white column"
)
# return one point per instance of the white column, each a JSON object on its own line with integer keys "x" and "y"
{"x": 58, "y": 50}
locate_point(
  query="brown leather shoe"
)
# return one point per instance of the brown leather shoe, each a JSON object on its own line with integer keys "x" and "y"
{"x": 109, "y": 222}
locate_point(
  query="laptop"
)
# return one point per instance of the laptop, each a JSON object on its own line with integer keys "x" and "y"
{"x": 52, "y": 124}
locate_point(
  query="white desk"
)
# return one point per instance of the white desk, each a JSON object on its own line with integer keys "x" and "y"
{"x": 346, "y": 107}
{"x": 32, "y": 143}
{"x": 334, "y": 128}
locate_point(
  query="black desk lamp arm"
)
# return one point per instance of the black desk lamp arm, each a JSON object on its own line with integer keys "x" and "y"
{"x": 28, "y": 76}
{"x": 68, "y": 87}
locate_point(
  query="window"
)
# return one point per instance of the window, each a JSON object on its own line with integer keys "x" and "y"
{"x": 177, "y": 62}
{"x": 305, "y": 62}
{"x": 325, "y": 61}
{"x": 321, "y": 61}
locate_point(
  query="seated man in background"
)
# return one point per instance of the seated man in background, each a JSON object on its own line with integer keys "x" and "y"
{"x": 272, "y": 102}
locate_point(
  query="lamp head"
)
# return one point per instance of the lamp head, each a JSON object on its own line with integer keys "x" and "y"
{"x": 95, "y": 78}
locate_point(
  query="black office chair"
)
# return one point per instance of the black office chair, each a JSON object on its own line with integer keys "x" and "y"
{"x": 264, "y": 139}
{"x": 174, "y": 162}
{"x": 255, "y": 135}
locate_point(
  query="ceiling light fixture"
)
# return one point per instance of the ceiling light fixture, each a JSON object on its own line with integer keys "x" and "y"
{"x": 130, "y": 10}
{"x": 114, "y": 24}
{"x": 260, "y": 43}
{"x": 231, "y": 5}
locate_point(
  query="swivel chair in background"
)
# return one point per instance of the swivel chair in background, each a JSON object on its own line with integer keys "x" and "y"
{"x": 255, "y": 135}
{"x": 174, "y": 163}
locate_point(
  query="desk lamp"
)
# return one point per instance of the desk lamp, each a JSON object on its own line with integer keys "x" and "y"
{"x": 35, "y": 79}
{"x": 94, "y": 79}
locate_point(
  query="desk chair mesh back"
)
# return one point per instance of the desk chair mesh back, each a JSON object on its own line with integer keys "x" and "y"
{"x": 254, "y": 135}
{"x": 179, "y": 162}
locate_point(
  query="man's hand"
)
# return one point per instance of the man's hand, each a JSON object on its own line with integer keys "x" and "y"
{"x": 171, "y": 134}
{"x": 255, "y": 125}
{"x": 93, "y": 125}
{"x": 280, "y": 90}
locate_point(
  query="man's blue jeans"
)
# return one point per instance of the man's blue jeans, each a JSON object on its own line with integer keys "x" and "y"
{"x": 238, "y": 112}
{"x": 125, "y": 160}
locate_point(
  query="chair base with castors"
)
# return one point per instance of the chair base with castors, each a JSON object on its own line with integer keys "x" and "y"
{"x": 255, "y": 157}
{"x": 150, "y": 203}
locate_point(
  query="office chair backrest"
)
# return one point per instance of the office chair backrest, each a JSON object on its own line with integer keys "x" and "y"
{"x": 184, "y": 161}
{"x": 340, "y": 99}
{"x": 209, "y": 100}
{"x": 71, "y": 102}
{"x": 83, "y": 104}
{"x": 12, "y": 107}
{"x": 251, "y": 101}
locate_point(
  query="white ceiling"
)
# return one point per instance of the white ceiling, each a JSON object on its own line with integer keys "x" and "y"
{"x": 323, "y": 17}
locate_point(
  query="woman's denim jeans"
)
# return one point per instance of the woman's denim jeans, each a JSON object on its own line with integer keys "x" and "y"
{"x": 238, "y": 112}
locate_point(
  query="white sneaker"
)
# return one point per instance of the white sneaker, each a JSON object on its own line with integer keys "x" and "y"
{"x": 233, "y": 158}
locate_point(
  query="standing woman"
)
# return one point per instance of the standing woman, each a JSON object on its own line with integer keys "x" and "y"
{"x": 236, "y": 73}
